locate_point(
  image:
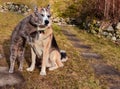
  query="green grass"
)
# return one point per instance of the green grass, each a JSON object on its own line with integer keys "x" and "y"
{"x": 76, "y": 73}
{"x": 108, "y": 49}
{"x": 7, "y": 23}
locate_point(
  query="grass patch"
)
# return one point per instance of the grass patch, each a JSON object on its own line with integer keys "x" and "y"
{"x": 75, "y": 73}
{"x": 7, "y": 23}
{"x": 108, "y": 49}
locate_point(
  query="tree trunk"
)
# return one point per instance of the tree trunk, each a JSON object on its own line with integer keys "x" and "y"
{"x": 107, "y": 9}
{"x": 113, "y": 5}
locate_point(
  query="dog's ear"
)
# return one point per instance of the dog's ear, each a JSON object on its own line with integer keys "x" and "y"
{"x": 48, "y": 7}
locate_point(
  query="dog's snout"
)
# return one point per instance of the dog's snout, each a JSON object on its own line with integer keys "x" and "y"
{"x": 46, "y": 22}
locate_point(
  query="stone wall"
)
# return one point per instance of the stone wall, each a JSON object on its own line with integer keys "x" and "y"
{"x": 99, "y": 28}
{"x": 105, "y": 29}
{"x": 15, "y": 7}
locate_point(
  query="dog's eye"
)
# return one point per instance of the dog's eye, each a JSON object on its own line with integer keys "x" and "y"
{"x": 42, "y": 15}
{"x": 49, "y": 16}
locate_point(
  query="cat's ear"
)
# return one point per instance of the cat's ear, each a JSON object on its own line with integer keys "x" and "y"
{"x": 35, "y": 9}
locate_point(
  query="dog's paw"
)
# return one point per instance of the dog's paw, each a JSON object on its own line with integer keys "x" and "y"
{"x": 42, "y": 73}
{"x": 20, "y": 69}
{"x": 64, "y": 59}
{"x": 61, "y": 65}
{"x": 30, "y": 69}
{"x": 52, "y": 68}
{"x": 11, "y": 71}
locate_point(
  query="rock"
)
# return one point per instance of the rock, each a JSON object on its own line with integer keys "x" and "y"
{"x": 118, "y": 26}
{"x": 113, "y": 38}
{"x": 118, "y": 36}
{"x": 97, "y": 24}
{"x": 19, "y": 8}
{"x": 110, "y": 29}
{"x": 110, "y": 34}
{"x": 105, "y": 33}
{"x": 8, "y": 3}
{"x": 64, "y": 23}
{"x": 108, "y": 37}
{"x": 9, "y": 81}
{"x": 93, "y": 31}
{"x": 67, "y": 20}
{"x": 89, "y": 55}
{"x": 59, "y": 23}
{"x": 117, "y": 32}
{"x": 56, "y": 20}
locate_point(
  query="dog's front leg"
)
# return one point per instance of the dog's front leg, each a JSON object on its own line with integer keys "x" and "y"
{"x": 47, "y": 45}
{"x": 32, "y": 66}
{"x": 44, "y": 62}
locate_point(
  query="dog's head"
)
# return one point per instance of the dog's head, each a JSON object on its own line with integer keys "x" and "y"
{"x": 41, "y": 16}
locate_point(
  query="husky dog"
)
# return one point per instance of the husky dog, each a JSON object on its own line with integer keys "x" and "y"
{"x": 43, "y": 44}
{"x": 37, "y": 31}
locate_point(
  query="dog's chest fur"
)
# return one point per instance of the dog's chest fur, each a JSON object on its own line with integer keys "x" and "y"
{"x": 37, "y": 43}
{"x": 38, "y": 39}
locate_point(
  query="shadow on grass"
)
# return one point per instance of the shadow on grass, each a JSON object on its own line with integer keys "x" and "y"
{"x": 28, "y": 57}
{"x": 10, "y": 81}
{"x": 6, "y": 49}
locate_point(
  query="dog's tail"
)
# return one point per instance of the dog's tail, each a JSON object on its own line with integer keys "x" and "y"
{"x": 64, "y": 57}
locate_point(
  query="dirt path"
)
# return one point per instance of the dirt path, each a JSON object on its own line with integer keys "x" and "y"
{"x": 105, "y": 73}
